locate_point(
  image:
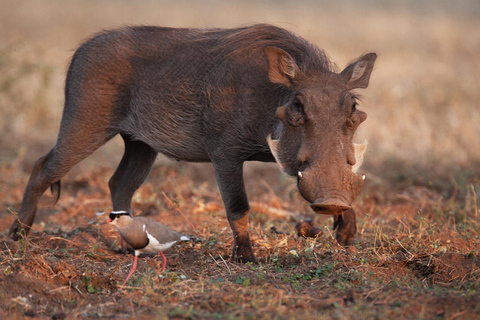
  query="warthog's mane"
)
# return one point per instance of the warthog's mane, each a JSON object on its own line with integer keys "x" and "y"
{"x": 247, "y": 41}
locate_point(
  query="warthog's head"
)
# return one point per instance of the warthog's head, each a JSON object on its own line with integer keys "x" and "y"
{"x": 317, "y": 123}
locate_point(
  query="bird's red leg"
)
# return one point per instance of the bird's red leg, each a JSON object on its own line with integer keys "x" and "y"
{"x": 164, "y": 263}
{"x": 131, "y": 272}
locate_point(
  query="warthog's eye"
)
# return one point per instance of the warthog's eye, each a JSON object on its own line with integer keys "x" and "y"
{"x": 297, "y": 103}
{"x": 351, "y": 116}
{"x": 354, "y": 107}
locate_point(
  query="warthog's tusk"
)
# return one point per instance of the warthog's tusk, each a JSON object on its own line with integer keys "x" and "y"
{"x": 273, "y": 145}
{"x": 363, "y": 177}
{"x": 359, "y": 149}
{"x": 300, "y": 174}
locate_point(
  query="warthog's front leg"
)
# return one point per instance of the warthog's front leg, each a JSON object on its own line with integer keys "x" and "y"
{"x": 346, "y": 226}
{"x": 232, "y": 188}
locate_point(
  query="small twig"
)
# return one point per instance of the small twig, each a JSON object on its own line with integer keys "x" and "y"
{"x": 454, "y": 224}
{"x": 408, "y": 229}
{"x": 262, "y": 207}
{"x": 218, "y": 264}
{"x": 59, "y": 238}
{"x": 412, "y": 255}
{"x": 93, "y": 200}
{"x": 455, "y": 188}
{"x": 330, "y": 233}
{"x": 43, "y": 264}
{"x": 269, "y": 189}
{"x": 132, "y": 288}
{"x": 229, "y": 271}
{"x": 456, "y": 315}
{"x": 20, "y": 222}
{"x": 114, "y": 270}
{"x": 11, "y": 255}
{"x": 375, "y": 243}
{"x": 58, "y": 289}
{"x": 75, "y": 311}
{"x": 475, "y": 205}
{"x": 22, "y": 301}
{"x": 78, "y": 290}
{"x": 372, "y": 291}
{"x": 180, "y": 211}
{"x": 381, "y": 242}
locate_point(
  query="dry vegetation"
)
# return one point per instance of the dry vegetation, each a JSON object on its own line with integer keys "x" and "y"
{"x": 417, "y": 253}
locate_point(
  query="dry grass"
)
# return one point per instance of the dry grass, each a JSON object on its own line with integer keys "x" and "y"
{"x": 419, "y": 224}
{"x": 418, "y": 258}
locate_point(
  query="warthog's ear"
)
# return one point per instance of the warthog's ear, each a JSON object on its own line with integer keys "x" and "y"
{"x": 273, "y": 145}
{"x": 282, "y": 67}
{"x": 359, "y": 149}
{"x": 357, "y": 74}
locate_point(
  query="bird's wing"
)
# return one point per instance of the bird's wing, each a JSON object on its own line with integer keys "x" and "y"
{"x": 161, "y": 232}
{"x": 134, "y": 235}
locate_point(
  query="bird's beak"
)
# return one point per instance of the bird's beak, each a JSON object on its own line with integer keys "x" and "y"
{"x": 109, "y": 220}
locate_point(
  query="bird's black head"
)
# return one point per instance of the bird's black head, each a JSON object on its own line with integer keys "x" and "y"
{"x": 115, "y": 214}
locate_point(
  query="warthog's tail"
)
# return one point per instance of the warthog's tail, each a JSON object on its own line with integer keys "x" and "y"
{"x": 55, "y": 189}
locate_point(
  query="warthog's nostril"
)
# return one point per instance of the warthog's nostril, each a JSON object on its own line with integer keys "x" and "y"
{"x": 320, "y": 209}
{"x": 332, "y": 207}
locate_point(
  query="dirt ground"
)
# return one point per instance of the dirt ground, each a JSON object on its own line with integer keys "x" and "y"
{"x": 416, "y": 254}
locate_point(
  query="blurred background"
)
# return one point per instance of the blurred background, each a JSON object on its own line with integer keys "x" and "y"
{"x": 422, "y": 102}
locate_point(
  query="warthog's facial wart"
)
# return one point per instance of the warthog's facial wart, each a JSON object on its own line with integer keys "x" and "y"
{"x": 359, "y": 150}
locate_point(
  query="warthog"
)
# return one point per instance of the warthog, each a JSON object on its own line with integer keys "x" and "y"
{"x": 224, "y": 96}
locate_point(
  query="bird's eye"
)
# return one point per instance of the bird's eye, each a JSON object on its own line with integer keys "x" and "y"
{"x": 112, "y": 216}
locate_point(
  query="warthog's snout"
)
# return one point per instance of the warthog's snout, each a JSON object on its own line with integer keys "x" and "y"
{"x": 330, "y": 206}
{"x": 338, "y": 201}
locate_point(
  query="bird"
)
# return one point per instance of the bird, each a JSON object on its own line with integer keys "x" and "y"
{"x": 144, "y": 235}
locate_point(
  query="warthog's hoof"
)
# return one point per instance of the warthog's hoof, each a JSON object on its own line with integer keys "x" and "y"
{"x": 243, "y": 253}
